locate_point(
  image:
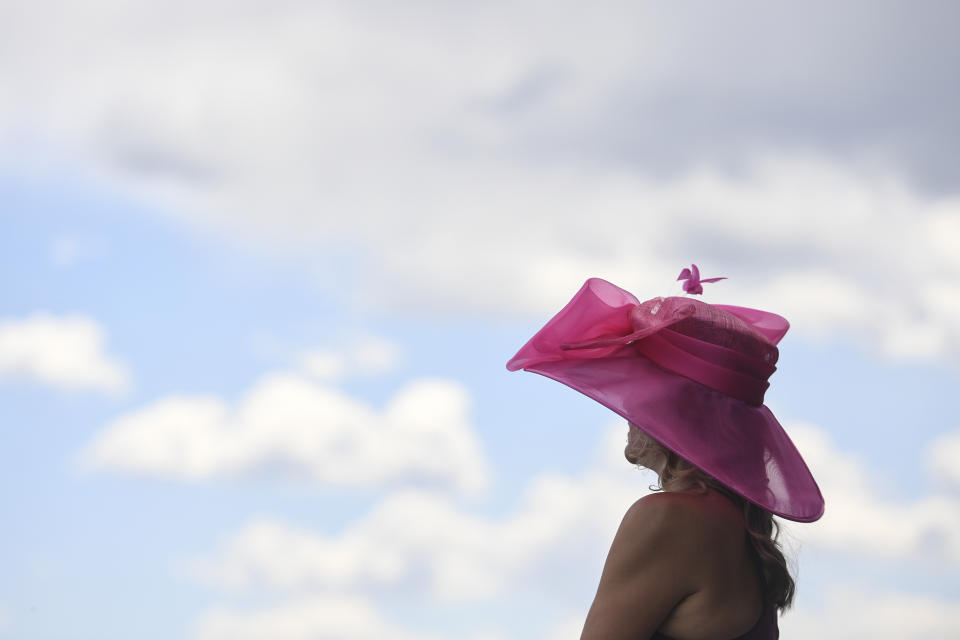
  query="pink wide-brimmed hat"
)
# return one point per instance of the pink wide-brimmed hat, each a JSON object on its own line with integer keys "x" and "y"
{"x": 692, "y": 375}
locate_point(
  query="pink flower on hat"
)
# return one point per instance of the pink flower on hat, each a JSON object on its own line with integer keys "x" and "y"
{"x": 693, "y": 282}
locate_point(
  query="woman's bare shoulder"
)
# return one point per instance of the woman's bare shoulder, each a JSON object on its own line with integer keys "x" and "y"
{"x": 685, "y": 517}
{"x": 672, "y": 505}
{"x": 648, "y": 564}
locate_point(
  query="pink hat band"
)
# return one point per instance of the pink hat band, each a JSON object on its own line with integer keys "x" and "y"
{"x": 734, "y": 373}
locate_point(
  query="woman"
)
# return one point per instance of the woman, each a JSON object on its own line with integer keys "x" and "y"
{"x": 699, "y": 560}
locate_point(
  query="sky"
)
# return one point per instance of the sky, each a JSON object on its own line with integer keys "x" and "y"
{"x": 262, "y": 266}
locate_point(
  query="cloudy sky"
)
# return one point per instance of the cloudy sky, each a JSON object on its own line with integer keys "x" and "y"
{"x": 262, "y": 265}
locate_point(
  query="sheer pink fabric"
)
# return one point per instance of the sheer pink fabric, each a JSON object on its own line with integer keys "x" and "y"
{"x": 690, "y": 374}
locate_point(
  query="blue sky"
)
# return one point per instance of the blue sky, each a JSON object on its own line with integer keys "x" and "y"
{"x": 262, "y": 274}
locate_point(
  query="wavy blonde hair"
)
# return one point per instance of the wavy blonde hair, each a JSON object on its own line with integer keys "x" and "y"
{"x": 764, "y": 531}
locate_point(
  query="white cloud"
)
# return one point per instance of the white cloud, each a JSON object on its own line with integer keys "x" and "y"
{"x": 338, "y": 617}
{"x": 423, "y": 545}
{"x": 944, "y": 458}
{"x": 289, "y": 423}
{"x": 499, "y": 181}
{"x": 423, "y": 542}
{"x": 361, "y": 355}
{"x": 350, "y": 354}
{"x": 569, "y": 629}
{"x": 860, "y": 520}
{"x": 850, "y": 612}
{"x": 318, "y": 617}
{"x": 322, "y": 364}
{"x": 375, "y": 355}
{"x": 66, "y": 351}
{"x": 334, "y": 617}
{"x": 415, "y": 541}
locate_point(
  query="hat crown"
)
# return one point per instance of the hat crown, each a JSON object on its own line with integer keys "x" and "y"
{"x": 708, "y": 323}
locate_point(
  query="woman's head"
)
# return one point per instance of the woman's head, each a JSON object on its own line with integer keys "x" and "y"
{"x": 641, "y": 448}
{"x": 674, "y": 473}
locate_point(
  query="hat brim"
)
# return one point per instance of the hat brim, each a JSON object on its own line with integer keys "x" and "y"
{"x": 742, "y": 446}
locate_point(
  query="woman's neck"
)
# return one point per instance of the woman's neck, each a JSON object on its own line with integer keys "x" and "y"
{"x": 677, "y": 485}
